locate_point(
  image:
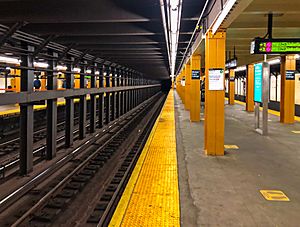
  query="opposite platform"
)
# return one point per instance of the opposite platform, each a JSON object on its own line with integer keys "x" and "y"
{"x": 151, "y": 197}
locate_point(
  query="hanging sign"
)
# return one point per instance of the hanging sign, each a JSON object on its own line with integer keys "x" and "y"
{"x": 275, "y": 46}
{"x": 216, "y": 79}
{"x": 290, "y": 75}
{"x": 195, "y": 74}
{"x": 258, "y": 77}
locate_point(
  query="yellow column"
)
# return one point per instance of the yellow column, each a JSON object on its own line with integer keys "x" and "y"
{"x": 287, "y": 100}
{"x": 214, "y": 100}
{"x": 187, "y": 95}
{"x": 183, "y": 87}
{"x": 231, "y": 87}
{"x": 250, "y": 89}
{"x": 195, "y": 88}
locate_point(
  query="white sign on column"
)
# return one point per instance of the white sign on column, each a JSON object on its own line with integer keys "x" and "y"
{"x": 216, "y": 79}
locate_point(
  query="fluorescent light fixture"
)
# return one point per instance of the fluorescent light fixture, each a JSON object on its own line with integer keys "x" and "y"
{"x": 8, "y": 54}
{"x": 76, "y": 70}
{"x": 228, "y": 6}
{"x": 274, "y": 61}
{"x": 174, "y": 20}
{"x": 61, "y": 68}
{"x": 40, "y": 65}
{"x": 240, "y": 68}
{"x": 97, "y": 73}
{"x": 174, "y": 4}
{"x": 9, "y": 60}
{"x": 88, "y": 71}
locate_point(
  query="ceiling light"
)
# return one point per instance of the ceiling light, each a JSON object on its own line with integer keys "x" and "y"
{"x": 274, "y": 61}
{"x": 240, "y": 68}
{"x": 88, "y": 71}
{"x": 40, "y": 65}
{"x": 8, "y": 54}
{"x": 9, "y": 60}
{"x": 61, "y": 68}
{"x": 76, "y": 70}
{"x": 174, "y": 4}
{"x": 297, "y": 56}
{"x": 97, "y": 73}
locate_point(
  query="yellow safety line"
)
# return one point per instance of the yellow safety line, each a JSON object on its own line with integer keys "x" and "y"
{"x": 274, "y": 112}
{"x": 151, "y": 197}
{"x": 35, "y": 107}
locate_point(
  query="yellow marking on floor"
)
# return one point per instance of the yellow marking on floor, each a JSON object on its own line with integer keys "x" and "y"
{"x": 274, "y": 195}
{"x": 6, "y": 113}
{"x": 274, "y": 112}
{"x": 229, "y": 146}
{"x": 296, "y": 132}
{"x": 151, "y": 197}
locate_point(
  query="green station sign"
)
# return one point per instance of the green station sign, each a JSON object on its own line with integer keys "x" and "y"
{"x": 275, "y": 46}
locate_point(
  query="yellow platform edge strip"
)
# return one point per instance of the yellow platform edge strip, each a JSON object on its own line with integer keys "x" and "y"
{"x": 123, "y": 204}
{"x": 273, "y": 112}
{"x": 6, "y": 113}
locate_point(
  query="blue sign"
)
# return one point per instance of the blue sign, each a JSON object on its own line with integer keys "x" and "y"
{"x": 258, "y": 80}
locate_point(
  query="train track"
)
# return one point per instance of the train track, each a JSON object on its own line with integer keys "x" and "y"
{"x": 10, "y": 162}
{"x": 93, "y": 176}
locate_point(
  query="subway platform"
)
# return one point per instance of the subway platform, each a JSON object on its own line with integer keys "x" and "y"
{"x": 256, "y": 183}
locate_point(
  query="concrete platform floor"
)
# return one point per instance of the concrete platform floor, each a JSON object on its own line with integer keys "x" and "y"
{"x": 225, "y": 191}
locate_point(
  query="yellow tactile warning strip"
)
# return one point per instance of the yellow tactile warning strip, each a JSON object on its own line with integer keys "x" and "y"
{"x": 151, "y": 197}
{"x": 296, "y": 132}
{"x": 274, "y": 195}
{"x": 229, "y": 146}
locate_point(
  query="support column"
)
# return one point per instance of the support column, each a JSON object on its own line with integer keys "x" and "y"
{"x": 214, "y": 100}
{"x": 113, "y": 95}
{"x": 187, "y": 96}
{"x": 69, "y": 138}
{"x": 287, "y": 100}
{"x": 195, "y": 88}
{"x": 101, "y": 99}
{"x": 82, "y": 106}
{"x": 51, "y": 110}
{"x": 26, "y": 114}
{"x": 93, "y": 102}
{"x": 107, "y": 95}
{"x": 231, "y": 87}
{"x": 250, "y": 88}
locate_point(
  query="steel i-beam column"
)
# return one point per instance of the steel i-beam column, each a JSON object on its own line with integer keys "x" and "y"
{"x": 51, "y": 110}
{"x": 26, "y": 114}
{"x": 127, "y": 93}
{"x": 195, "y": 88}
{"x": 101, "y": 100}
{"x": 287, "y": 99}
{"x": 93, "y": 101}
{"x": 123, "y": 93}
{"x": 231, "y": 87}
{"x": 214, "y": 95}
{"x": 82, "y": 106}
{"x": 107, "y": 95}
{"x": 113, "y": 95}
{"x": 250, "y": 88}
{"x": 69, "y": 119}
{"x": 118, "y": 94}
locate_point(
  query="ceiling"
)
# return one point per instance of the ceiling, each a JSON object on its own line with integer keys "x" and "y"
{"x": 128, "y": 32}
{"x": 252, "y": 22}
